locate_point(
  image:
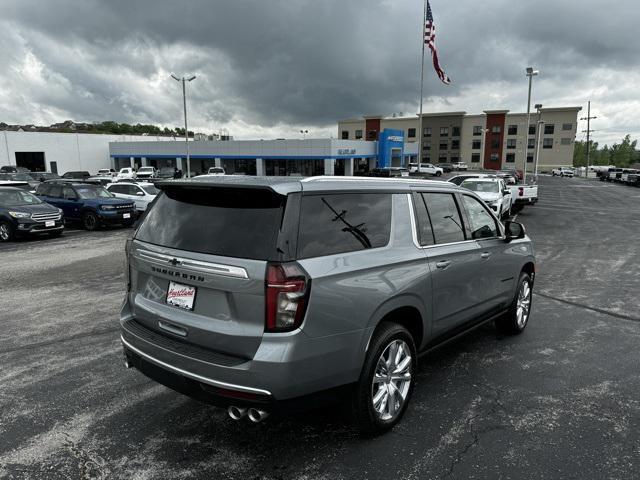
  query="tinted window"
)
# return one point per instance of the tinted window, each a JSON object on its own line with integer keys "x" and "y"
{"x": 93, "y": 192}
{"x": 220, "y": 221}
{"x": 150, "y": 189}
{"x": 482, "y": 223}
{"x": 17, "y": 198}
{"x": 56, "y": 191}
{"x": 341, "y": 223}
{"x": 423, "y": 222}
{"x": 445, "y": 218}
{"x": 43, "y": 189}
{"x": 67, "y": 192}
{"x": 117, "y": 188}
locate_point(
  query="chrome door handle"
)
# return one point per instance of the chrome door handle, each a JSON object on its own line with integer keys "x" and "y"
{"x": 485, "y": 254}
{"x": 443, "y": 264}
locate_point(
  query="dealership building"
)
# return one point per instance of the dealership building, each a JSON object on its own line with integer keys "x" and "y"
{"x": 494, "y": 139}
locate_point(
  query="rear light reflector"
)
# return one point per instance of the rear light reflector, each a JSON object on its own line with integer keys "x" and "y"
{"x": 520, "y": 191}
{"x": 287, "y": 292}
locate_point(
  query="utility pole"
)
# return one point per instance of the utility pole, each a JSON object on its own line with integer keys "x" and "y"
{"x": 588, "y": 131}
{"x": 184, "y": 80}
{"x": 530, "y": 74}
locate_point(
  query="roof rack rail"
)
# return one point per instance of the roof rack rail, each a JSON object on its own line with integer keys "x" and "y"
{"x": 329, "y": 178}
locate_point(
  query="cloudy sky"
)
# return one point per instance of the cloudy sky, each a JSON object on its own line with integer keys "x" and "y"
{"x": 268, "y": 69}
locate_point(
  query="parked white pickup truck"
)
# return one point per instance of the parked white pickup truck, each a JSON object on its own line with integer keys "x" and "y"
{"x": 426, "y": 168}
{"x": 521, "y": 194}
{"x": 562, "y": 172}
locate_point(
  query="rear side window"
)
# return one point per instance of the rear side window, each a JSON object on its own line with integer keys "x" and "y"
{"x": 340, "y": 223}
{"x": 446, "y": 222}
{"x": 232, "y": 222}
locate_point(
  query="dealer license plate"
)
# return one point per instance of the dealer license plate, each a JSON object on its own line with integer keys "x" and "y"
{"x": 126, "y": 215}
{"x": 50, "y": 223}
{"x": 181, "y": 296}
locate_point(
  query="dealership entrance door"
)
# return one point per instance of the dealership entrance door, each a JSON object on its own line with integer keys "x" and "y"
{"x": 33, "y": 161}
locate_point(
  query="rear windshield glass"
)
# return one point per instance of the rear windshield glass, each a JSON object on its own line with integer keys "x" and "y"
{"x": 230, "y": 222}
{"x": 339, "y": 223}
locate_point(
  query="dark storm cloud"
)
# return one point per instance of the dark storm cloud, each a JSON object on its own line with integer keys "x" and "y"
{"x": 274, "y": 63}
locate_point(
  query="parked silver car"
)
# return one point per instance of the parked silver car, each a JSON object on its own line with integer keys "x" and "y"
{"x": 262, "y": 294}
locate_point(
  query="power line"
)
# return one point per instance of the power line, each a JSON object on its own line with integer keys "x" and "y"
{"x": 588, "y": 131}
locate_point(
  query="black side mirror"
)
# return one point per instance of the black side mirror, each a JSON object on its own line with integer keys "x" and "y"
{"x": 513, "y": 231}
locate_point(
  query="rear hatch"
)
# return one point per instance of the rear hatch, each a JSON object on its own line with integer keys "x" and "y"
{"x": 198, "y": 263}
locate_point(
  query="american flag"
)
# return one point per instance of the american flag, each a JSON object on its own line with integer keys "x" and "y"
{"x": 430, "y": 41}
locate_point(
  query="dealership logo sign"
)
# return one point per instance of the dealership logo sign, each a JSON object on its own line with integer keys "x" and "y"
{"x": 395, "y": 138}
{"x": 346, "y": 151}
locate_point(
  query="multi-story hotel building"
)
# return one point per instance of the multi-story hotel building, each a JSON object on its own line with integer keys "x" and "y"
{"x": 494, "y": 139}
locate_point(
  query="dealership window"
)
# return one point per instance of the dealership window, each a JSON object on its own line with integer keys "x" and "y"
{"x": 565, "y": 141}
{"x": 495, "y": 143}
{"x": 444, "y": 145}
{"x": 511, "y": 143}
{"x": 567, "y": 126}
{"x": 455, "y": 131}
{"x": 477, "y": 130}
{"x": 532, "y": 129}
{"x": 444, "y": 131}
{"x": 476, "y": 145}
{"x": 455, "y": 144}
{"x": 358, "y": 134}
{"x": 495, "y": 157}
{"x": 496, "y": 129}
{"x": 426, "y": 146}
{"x": 529, "y": 158}
{"x": 411, "y": 133}
{"x": 345, "y": 135}
{"x": 513, "y": 130}
{"x": 426, "y": 131}
{"x": 511, "y": 157}
{"x": 475, "y": 158}
{"x": 549, "y": 129}
{"x": 547, "y": 143}
{"x": 531, "y": 143}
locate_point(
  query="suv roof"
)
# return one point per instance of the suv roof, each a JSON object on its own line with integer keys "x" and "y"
{"x": 285, "y": 185}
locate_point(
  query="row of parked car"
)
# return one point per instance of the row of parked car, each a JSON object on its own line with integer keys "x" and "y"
{"x": 627, "y": 176}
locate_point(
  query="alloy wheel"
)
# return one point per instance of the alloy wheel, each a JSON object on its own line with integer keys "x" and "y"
{"x": 391, "y": 380}
{"x": 523, "y": 304}
{"x": 4, "y": 232}
{"x": 90, "y": 222}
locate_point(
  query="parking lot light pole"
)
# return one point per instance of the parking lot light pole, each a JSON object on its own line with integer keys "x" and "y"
{"x": 184, "y": 80}
{"x": 539, "y": 126}
{"x": 530, "y": 73}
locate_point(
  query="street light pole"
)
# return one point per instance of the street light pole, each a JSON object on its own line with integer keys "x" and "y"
{"x": 536, "y": 149}
{"x": 530, "y": 73}
{"x": 184, "y": 81}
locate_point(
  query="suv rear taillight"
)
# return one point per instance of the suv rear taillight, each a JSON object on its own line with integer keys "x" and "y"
{"x": 127, "y": 271}
{"x": 287, "y": 292}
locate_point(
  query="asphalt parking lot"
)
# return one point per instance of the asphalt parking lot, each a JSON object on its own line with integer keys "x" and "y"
{"x": 560, "y": 401}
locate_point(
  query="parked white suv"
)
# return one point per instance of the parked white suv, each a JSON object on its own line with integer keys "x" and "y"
{"x": 562, "y": 172}
{"x": 142, "y": 194}
{"x": 494, "y": 192}
{"x": 126, "y": 173}
{"x": 426, "y": 168}
{"x": 146, "y": 172}
{"x": 216, "y": 171}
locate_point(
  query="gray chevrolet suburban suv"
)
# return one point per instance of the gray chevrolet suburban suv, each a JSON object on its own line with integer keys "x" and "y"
{"x": 263, "y": 294}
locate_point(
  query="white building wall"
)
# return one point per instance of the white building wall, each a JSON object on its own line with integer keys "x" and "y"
{"x": 71, "y": 151}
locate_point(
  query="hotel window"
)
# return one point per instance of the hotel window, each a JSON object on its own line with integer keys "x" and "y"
{"x": 358, "y": 134}
{"x": 567, "y": 126}
{"x": 565, "y": 141}
{"x": 495, "y": 144}
{"x": 529, "y": 158}
{"x": 455, "y": 144}
{"x": 547, "y": 143}
{"x": 456, "y": 132}
{"x": 513, "y": 130}
{"x": 444, "y": 131}
{"x": 426, "y": 158}
{"x": 511, "y": 157}
{"x": 476, "y": 145}
{"x": 549, "y": 128}
{"x": 496, "y": 129}
{"x": 494, "y": 157}
{"x": 455, "y": 159}
{"x": 532, "y": 129}
{"x": 531, "y": 143}
{"x": 426, "y": 131}
{"x": 475, "y": 158}
{"x": 426, "y": 146}
{"x": 511, "y": 143}
{"x": 442, "y": 158}
{"x": 372, "y": 135}
{"x": 411, "y": 133}
{"x": 444, "y": 145}
{"x": 477, "y": 130}
{"x": 345, "y": 135}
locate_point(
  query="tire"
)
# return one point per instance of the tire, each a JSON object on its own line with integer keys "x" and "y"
{"x": 387, "y": 338}
{"x": 6, "y": 232}
{"x": 516, "y": 319}
{"x": 438, "y": 174}
{"x": 507, "y": 213}
{"x": 90, "y": 221}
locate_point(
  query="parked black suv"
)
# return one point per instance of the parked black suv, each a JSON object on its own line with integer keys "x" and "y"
{"x": 22, "y": 213}
{"x": 89, "y": 204}
{"x": 76, "y": 175}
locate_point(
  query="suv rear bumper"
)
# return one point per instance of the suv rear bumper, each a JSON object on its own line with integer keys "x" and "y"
{"x": 285, "y": 366}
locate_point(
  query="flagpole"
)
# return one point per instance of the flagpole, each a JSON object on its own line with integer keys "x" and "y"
{"x": 420, "y": 132}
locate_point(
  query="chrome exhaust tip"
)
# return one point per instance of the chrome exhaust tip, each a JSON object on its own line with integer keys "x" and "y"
{"x": 236, "y": 412}
{"x": 256, "y": 416}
